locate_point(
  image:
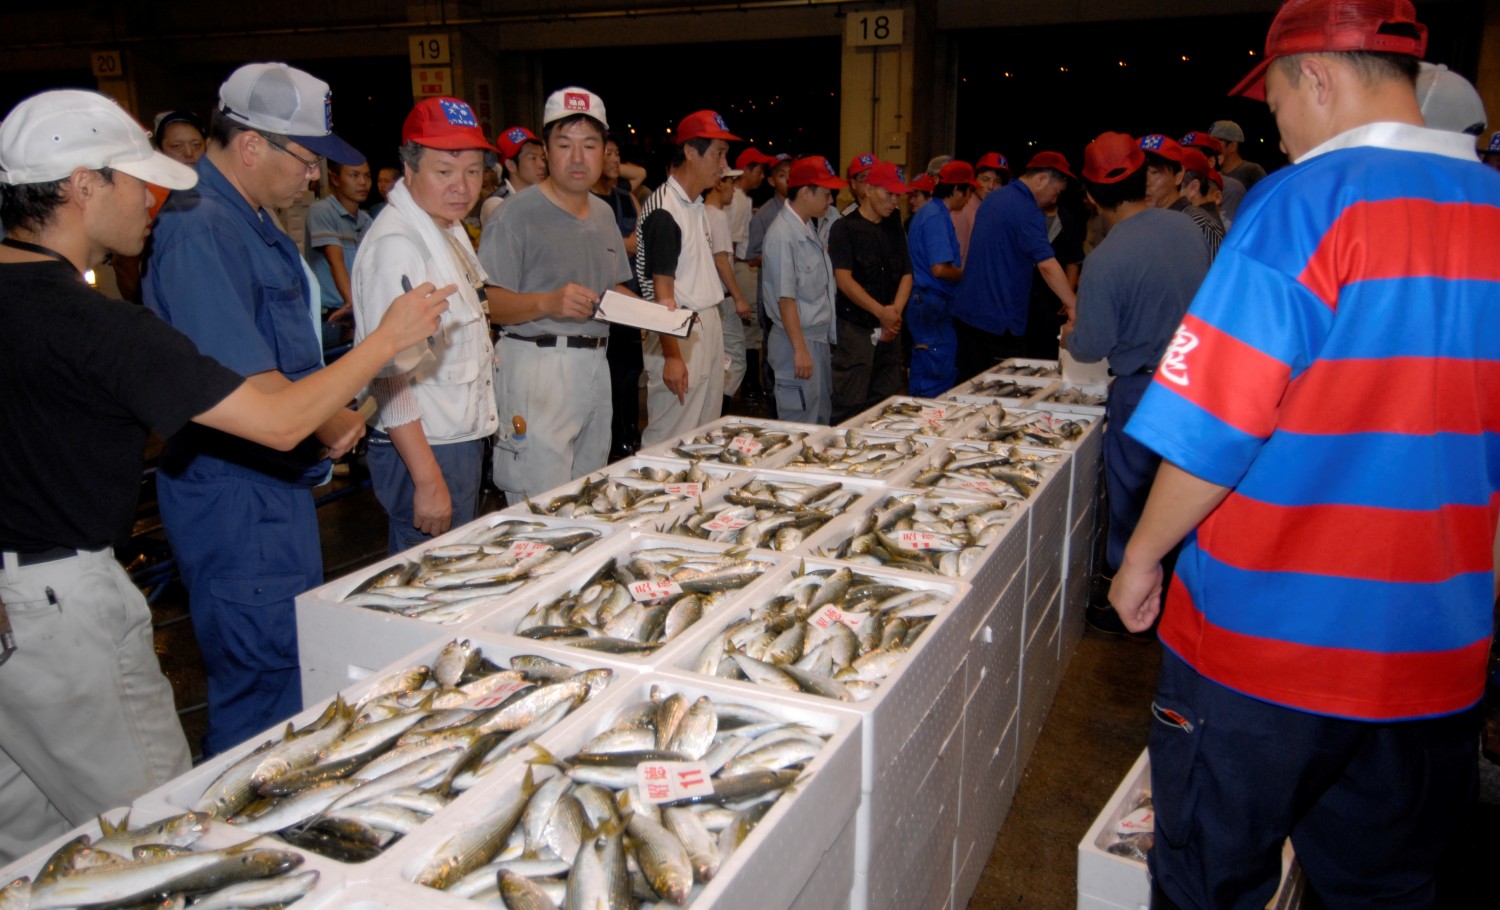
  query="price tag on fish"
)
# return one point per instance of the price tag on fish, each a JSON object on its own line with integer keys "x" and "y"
{"x": 1141, "y": 821}
{"x": 726, "y": 523}
{"x": 983, "y": 486}
{"x": 669, "y": 781}
{"x": 654, "y": 589}
{"x": 522, "y": 550}
{"x": 916, "y": 540}
{"x": 933, "y": 417}
{"x": 496, "y": 696}
{"x": 826, "y": 617}
{"x": 746, "y": 445}
{"x": 684, "y": 489}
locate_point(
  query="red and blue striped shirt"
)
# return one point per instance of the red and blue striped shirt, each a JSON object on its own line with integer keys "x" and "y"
{"x": 1339, "y": 369}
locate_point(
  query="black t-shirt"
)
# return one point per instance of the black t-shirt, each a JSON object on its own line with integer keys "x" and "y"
{"x": 875, "y": 254}
{"x": 83, "y": 382}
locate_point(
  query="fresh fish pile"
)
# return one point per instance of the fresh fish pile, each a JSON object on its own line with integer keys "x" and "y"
{"x": 157, "y": 865}
{"x": 360, "y": 776}
{"x": 920, "y": 416}
{"x": 776, "y": 515}
{"x": 1135, "y": 834}
{"x": 1072, "y": 394}
{"x": 1039, "y": 370}
{"x": 737, "y": 443}
{"x": 830, "y": 632}
{"x": 1003, "y": 387}
{"x": 920, "y": 532}
{"x": 995, "y": 469}
{"x": 852, "y": 452}
{"x": 635, "y": 604}
{"x": 449, "y": 582}
{"x": 587, "y": 835}
{"x": 1028, "y": 428}
{"x": 639, "y": 493}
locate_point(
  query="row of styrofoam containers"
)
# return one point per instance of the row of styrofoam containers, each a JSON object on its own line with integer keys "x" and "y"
{"x": 936, "y": 417}
{"x": 675, "y": 447}
{"x": 338, "y": 642}
{"x": 891, "y": 471}
{"x": 686, "y": 495}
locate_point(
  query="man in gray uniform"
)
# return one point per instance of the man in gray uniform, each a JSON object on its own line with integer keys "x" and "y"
{"x": 550, "y": 255}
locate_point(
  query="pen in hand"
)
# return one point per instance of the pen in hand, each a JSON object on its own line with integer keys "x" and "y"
{"x": 406, "y": 288}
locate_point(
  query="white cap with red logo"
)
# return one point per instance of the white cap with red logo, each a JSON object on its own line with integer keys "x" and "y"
{"x": 573, "y": 100}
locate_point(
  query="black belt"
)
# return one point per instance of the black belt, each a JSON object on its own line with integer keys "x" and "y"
{"x": 1143, "y": 371}
{"x": 52, "y": 555}
{"x": 553, "y": 341}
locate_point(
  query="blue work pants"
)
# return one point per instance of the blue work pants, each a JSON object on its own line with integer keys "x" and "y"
{"x": 461, "y": 464}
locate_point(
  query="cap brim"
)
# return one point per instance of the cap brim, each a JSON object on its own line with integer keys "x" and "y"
{"x": 893, "y": 187}
{"x": 832, "y": 183}
{"x": 1252, "y": 86}
{"x": 727, "y": 137}
{"x": 331, "y": 147}
{"x": 732, "y": 172}
{"x": 160, "y": 170}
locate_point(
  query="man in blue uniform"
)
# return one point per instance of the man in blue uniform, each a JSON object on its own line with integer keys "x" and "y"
{"x": 240, "y": 517}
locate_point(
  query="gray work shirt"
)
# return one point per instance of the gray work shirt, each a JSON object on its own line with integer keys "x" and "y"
{"x": 535, "y": 247}
{"x": 1136, "y": 286}
{"x": 794, "y": 264}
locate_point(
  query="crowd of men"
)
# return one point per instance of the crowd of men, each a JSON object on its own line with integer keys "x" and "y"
{"x": 1251, "y": 322}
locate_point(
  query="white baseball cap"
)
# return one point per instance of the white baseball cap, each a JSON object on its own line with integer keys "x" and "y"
{"x": 279, "y": 99}
{"x": 1449, "y": 101}
{"x": 47, "y": 136}
{"x": 565, "y": 102}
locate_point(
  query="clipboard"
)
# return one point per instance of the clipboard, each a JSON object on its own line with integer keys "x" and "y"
{"x": 622, "y": 309}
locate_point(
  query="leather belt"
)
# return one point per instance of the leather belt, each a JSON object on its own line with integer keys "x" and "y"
{"x": 554, "y": 341}
{"x": 45, "y": 556}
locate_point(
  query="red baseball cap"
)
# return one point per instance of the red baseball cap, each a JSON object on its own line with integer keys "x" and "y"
{"x": 1194, "y": 160}
{"x": 993, "y": 161}
{"x": 1164, "y": 146}
{"x": 444, "y": 123}
{"x": 815, "y": 171}
{"x": 1054, "y": 160}
{"x": 957, "y": 173}
{"x": 1310, "y": 26}
{"x": 1196, "y": 139}
{"x": 704, "y": 125}
{"x": 861, "y": 163}
{"x": 750, "y": 157}
{"x": 1111, "y": 158}
{"x": 509, "y": 143}
{"x": 923, "y": 184}
{"x": 887, "y": 176}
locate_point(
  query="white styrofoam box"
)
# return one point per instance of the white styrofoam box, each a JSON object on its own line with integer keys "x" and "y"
{"x": 990, "y": 573}
{"x": 938, "y": 417}
{"x": 1052, "y": 465}
{"x": 719, "y": 474}
{"x": 1044, "y": 570}
{"x": 995, "y": 644}
{"x": 717, "y": 501}
{"x": 1028, "y": 366}
{"x": 182, "y": 793}
{"x": 831, "y": 881}
{"x": 1105, "y": 879}
{"x": 1074, "y": 370}
{"x": 1015, "y": 421}
{"x": 219, "y": 836}
{"x": 1010, "y": 391}
{"x": 675, "y": 448}
{"x": 989, "y": 781}
{"x": 388, "y": 894}
{"x": 778, "y": 858}
{"x": 338, "y": 643}
{"x": 892, "y": 472}
{"x": 918, "y": 861}
{"x": 902, "y": 700}
{"x": 507, "y": 622}
{"x": 1040, "y": 676}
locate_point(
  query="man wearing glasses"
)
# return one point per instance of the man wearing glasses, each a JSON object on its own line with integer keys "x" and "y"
{"x": 240, "y": 516}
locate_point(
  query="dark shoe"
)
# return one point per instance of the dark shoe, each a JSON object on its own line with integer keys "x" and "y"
{"x": 1106, "y": 621}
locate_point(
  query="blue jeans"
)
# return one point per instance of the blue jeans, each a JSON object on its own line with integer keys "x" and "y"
{"x": 934, "y": 345}
{"x": 461, "y": 464}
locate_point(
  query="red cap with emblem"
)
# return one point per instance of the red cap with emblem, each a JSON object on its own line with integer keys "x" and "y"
{"x": 815, "y": 171}
{"x": 1311, "y": 26}
{"x": 704, "y": 125}
{"x": 444, "y": 123}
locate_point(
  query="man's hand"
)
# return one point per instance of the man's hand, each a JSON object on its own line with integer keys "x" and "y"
{"x": 886, "y": 337}
{"x": 341, "y": 432}
{"x": 802, "y": 364}
{"x": 742, "y": 308}
{"x": 890, "y": 320}
{"x": 571, "y": 301}
{"x": 675, "y": 375}
{"x": 344, "y": 315}
{"x": 431, "y": 507}
{"x": 668, "y": 302}
{"x": 1136, "y": 595}
{"x": 414, "y": 316}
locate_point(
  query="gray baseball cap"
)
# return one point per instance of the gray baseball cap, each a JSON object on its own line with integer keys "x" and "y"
{"x": 1227, "y": 130}
{"x": 276, "y": 98}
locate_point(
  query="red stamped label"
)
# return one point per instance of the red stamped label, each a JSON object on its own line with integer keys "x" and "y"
{"x": 669, "y": 781}
{"x": 654, "y": 589}
{"x": 746, "y": 444}
{"x": 685, "y": 489}
{"x": 726, "y": 523}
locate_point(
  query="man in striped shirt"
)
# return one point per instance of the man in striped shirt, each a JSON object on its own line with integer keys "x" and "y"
{"x": 1330, "y": 435}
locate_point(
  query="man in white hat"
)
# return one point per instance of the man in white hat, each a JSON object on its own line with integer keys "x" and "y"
{"x": 240, "y": 517}
{"x": 88, "y": 717}
{"x": 554, "y": 250}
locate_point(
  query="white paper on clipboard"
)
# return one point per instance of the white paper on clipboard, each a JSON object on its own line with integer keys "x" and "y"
{"x": 623, "y": 309}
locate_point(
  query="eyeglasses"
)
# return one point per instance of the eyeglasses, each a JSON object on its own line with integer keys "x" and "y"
{"x": 313, "y": 165}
